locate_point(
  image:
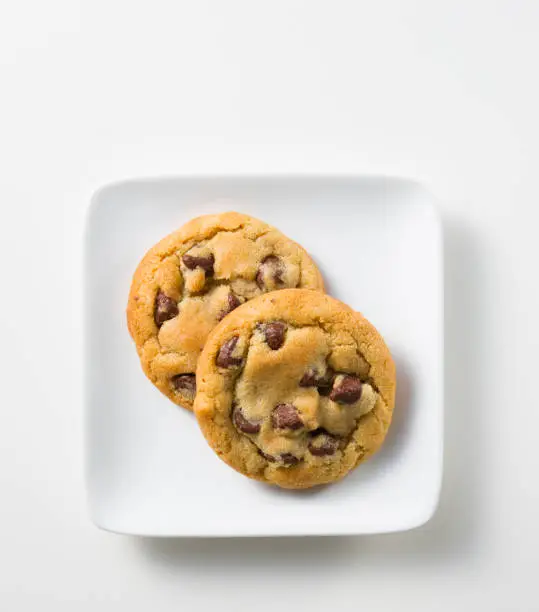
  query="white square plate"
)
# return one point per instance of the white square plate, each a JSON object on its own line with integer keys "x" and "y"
{"x": 148, "y": 469}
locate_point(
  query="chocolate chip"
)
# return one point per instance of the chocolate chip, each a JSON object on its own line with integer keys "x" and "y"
{"x": 347, "y": 389}
{"x": 289, "y": 459}
{"x": 185, "y": 383}
{"x": 308, "y": 379}
{"x": 267, "y": 457}
{"x": 323, "y": 445}
{"x": 206, "y": 263}
{"x": 165, "y": 308}
{"x": 232, "y": 303}
{"x": 286, "y": 416}
{"x": 323, "y": 383}
{"x": 225, "y": 359}
{"x": 243, "y": 424}
{"x": 286, "y": 458}
{"x": 274, "y": 333}
{"x": 270, "y": 268}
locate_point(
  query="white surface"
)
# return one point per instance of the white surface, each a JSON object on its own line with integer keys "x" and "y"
{"x": 150, "y": 472}
{"x": 445, "y": 92}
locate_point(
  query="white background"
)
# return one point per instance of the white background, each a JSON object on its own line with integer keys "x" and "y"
{"x": 445, "y": 92}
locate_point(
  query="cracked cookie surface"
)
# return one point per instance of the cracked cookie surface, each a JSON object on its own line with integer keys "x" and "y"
{"x": 295, "y": 389}
{"x": 193, "y": 278}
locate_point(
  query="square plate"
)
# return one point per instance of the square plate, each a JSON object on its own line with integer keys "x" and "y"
{"x": 148, "y": 469}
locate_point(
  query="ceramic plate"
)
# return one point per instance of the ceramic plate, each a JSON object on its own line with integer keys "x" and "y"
{"x": 150, "y": 472}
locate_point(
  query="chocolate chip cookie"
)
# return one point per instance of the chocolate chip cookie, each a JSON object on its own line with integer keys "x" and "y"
{"x": 193, "y": 278}
{"x": 295, "y": 389}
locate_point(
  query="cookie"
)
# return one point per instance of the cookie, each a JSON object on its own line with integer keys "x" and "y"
{"x": 295, "y": 389}
{"x": 193, "y": 278}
